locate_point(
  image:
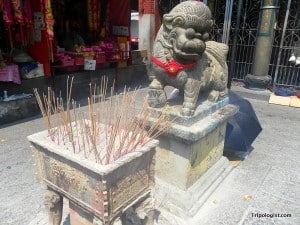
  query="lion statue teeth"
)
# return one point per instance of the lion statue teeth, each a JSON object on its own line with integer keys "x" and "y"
{"x": 183, "y": 57}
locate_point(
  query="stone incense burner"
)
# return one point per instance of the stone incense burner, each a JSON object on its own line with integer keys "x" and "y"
{"x": 97, "y": 194}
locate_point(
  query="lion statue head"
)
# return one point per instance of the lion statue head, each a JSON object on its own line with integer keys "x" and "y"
{"x": 186, "y": 29}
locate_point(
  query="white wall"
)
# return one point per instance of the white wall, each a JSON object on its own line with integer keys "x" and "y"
{"x": 146, "y": 32}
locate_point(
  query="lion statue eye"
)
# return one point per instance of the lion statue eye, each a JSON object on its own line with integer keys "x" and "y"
{"x": 205, "y": 37}
{"x": 190, "y": 33}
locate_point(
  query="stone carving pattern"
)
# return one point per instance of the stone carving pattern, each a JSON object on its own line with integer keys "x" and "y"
{"x": 128, "y": 188}
{"x": 65, "y": 176}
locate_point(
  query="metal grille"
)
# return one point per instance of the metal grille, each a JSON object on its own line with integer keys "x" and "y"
{"x": 247, "y": 32}
{"x": 244, "y": 54}
{"x": 218, "y": 9}
{"x": 286, "y": 44}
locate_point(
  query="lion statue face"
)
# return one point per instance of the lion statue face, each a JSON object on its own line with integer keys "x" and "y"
{"x": 187, "y": 28}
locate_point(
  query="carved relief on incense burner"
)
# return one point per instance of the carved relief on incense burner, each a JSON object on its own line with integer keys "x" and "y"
{"x": 185, "y": 59}
{"x": 64, "y": 176}
{"x": 128, "y": 188}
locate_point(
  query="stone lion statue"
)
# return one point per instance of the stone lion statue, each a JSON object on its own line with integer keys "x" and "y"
{"x": 185, "y": 59}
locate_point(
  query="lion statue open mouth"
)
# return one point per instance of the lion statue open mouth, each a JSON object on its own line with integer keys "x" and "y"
{"x": 185, "y": 59}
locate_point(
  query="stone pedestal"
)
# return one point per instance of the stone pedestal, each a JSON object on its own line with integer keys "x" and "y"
{"x": 189, "y": 162}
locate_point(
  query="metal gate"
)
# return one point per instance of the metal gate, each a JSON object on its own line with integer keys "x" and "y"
{"x": 225, "y": 28}
{"x": 285, "y": 59}
{"x": 286, "y": 41}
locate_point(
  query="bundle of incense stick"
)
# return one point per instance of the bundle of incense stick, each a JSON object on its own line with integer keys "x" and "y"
{"x": 111, "y": 127}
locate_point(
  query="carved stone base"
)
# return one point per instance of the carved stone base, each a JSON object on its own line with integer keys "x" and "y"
{"x": 189, "y": 162}
{"x": 257, "y": 82}
{"x": 181, "y": 164}
{"x": 182, "y": 206}
{"x": 186, "y": 152}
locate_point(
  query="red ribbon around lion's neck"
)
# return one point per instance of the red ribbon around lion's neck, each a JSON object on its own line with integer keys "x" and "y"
{"x": 172, "y": 67}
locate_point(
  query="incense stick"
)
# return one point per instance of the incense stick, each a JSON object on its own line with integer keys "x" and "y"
{"x": 110, "y": 129}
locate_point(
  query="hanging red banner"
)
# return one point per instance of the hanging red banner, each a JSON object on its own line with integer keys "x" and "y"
{"x": 7, "y": 12}
{"x": 93, "y": 12}
{"x": 8, "y": 19}
{"x": 27, "y": 13}
{"x": 18, "y": 10}
{"x": 49, "y": 20}
{"x": 119, "y": 12}
{"x": 28, "y": 17}
{"x": 19, "y": 18}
